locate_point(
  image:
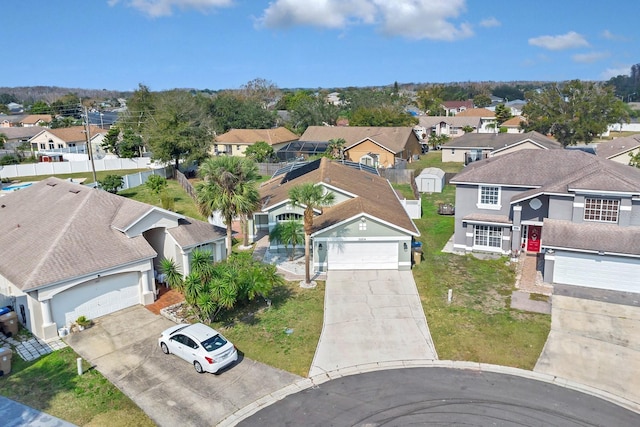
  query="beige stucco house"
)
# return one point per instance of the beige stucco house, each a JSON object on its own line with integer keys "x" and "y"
{"x": 379, "y": 147}
{"x": 619, "y": 150}
{"x": 236, "y": 141}
{"x": 61, "y": 138}
{"x": 70, "y": 250}
{"x": 477, "y": 146}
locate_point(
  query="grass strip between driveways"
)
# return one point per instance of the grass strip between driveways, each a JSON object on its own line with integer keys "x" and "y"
{"x": 51, "y": 384}
{"x": 478, "y": 325}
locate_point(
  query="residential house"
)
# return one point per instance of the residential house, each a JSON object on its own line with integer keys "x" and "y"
{"x": 452, "y": 108}
{"x": 236, "y": 141}
{"x": 373, "y": 146}
{"x": 71, "y": 250}
{"x": 487, "y": 119}
{"x": 477, "y": 146}
{"x": 515, "y": 106}
{"x": 580, "y": 210}
{"x": 74, "y": 137}
{"x": 513, "y": 124}
{"x": 619, "y": 149}
{"x": 451, "y": 126}
{"x": 365, "y": 228}
{"x": 11, "y": 120}
{"x": 36, "y": 120}
{"x": 16, "y": 136}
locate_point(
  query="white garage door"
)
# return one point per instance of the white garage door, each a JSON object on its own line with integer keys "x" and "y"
{"x": 96, "y": 298}
{"x": 595, "y": 271}
{"x": 363, "y": 255}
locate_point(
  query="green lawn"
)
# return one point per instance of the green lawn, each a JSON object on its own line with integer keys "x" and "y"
{"x": 478, "y": 325}
{"x": 51, "y": 384}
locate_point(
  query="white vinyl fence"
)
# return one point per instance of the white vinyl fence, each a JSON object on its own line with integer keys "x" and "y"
{"x": 56, "y": 168}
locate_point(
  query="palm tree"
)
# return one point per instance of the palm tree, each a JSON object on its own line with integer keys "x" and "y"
{"x": 288, "y": 233}
{"x": 229, "y": 186}
{"x": 311, "y": 197}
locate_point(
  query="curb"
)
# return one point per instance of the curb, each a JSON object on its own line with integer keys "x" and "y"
{"x": 318, "y": 379}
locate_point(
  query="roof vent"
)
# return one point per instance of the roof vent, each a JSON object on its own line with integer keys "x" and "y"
{"x": 74, "y": 191}
{"x": 52, "y": 184}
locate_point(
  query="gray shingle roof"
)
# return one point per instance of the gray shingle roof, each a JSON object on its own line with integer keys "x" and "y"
{"x": 496, "y": 141}
{"x": 591, "y": 237}
{"x": 55, "y": 231}
{"x": 392, "y": 138}
{"x": 608, "y": 149}
{"x": 375, "y": 196}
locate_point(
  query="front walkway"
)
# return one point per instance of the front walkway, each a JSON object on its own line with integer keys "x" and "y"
{"x": 371, "y": 316}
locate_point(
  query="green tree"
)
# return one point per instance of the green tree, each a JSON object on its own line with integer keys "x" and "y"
{"x": 140, "y": 108}
{"x": 313, "y": 111}
{"x": 40, "y": 107}
{"x": 68, "y": 106}
{"x": 576, "y": 112}
{"x": 228, "y": 186}
{"x": 335, "y": 149}
{"x": 232, "y": 111}
{"x": 634, "y": 159}
{"x": 382, "y": 116}
{"x": 180, "y": 129}
{"x": 482, "y": 100}
{"x": 111, "y": 183}
{"x": 260, "y": 152}
{"x": 311, "y": 197}
{"x": 430, "y": 101}
{"x": 156, "y": 184}
{"x": 3, "y": 140}
{"x": 502, "y": 113}
{"x": 437, "y": 140}
{"x": 288, "y": 233}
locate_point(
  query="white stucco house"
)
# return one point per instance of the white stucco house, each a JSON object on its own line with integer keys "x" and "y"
{"x": 70, "y": 250}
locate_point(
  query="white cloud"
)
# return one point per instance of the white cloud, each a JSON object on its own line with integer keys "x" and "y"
{"x": 608, "y": 35}
{"x": 490, "y": 22}
{"x": 157, "y": 8}
{"x": 614, "y": 72}
{"x": 414, "y": 19}
{"x": 590, "y": 57}
{"x": 561, "y": 42}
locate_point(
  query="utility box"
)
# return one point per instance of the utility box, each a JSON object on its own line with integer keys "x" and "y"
{"x": 5, "y": 361}
{"x": 9, "y": 323}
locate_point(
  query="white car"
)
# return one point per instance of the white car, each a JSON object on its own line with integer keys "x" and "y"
{"x": 199, "y": 344}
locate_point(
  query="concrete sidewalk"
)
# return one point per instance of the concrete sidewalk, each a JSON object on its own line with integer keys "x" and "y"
{"x": 371, "y": 317}
{"x": 14, "y": 414}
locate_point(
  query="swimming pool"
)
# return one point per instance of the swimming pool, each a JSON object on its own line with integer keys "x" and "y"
{"x": 17, "y": 186}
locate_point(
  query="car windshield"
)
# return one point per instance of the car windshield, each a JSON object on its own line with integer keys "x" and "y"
{"x": 214, "y": 343}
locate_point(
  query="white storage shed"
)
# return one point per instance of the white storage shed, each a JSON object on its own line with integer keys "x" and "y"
{"x": 430, "y": 180}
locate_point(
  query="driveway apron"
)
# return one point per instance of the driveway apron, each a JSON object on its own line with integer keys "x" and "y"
{"x": 371, "y": 316}
{"x": 123, "y": 346}
{"x": 595, "y": 343}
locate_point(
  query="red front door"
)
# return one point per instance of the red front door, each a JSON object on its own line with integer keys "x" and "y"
{"x": 533, "y": 238}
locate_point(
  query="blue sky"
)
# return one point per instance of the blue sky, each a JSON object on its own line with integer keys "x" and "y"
{"x": 223, "y": 44}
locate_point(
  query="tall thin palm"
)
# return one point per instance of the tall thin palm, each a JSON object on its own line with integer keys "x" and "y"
{"x": 229, "y": 186}
{"x": 312, "y": 197}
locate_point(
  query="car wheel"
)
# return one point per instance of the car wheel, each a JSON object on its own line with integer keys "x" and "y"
{"x": 164, "y": 348}
{"x": 198, "y": 367}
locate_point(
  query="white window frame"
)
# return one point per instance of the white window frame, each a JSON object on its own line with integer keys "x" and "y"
{"x": 601, "y": 210}
{"x": 488, "y": 233}
{"x": 484, "y": 203}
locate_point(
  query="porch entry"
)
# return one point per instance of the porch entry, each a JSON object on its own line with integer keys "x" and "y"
{"x": 533, "y": 238}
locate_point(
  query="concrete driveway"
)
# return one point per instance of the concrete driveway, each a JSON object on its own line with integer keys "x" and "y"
{"x": 371, "y": 316}
{"x": 123, "y": 346}
{"x": 594, "y": 340}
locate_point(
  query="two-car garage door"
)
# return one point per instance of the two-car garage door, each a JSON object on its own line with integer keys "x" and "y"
{"x": 96, "y": 298}
{"x": 350, "y": 255}
{"x": 597, "y": 271}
